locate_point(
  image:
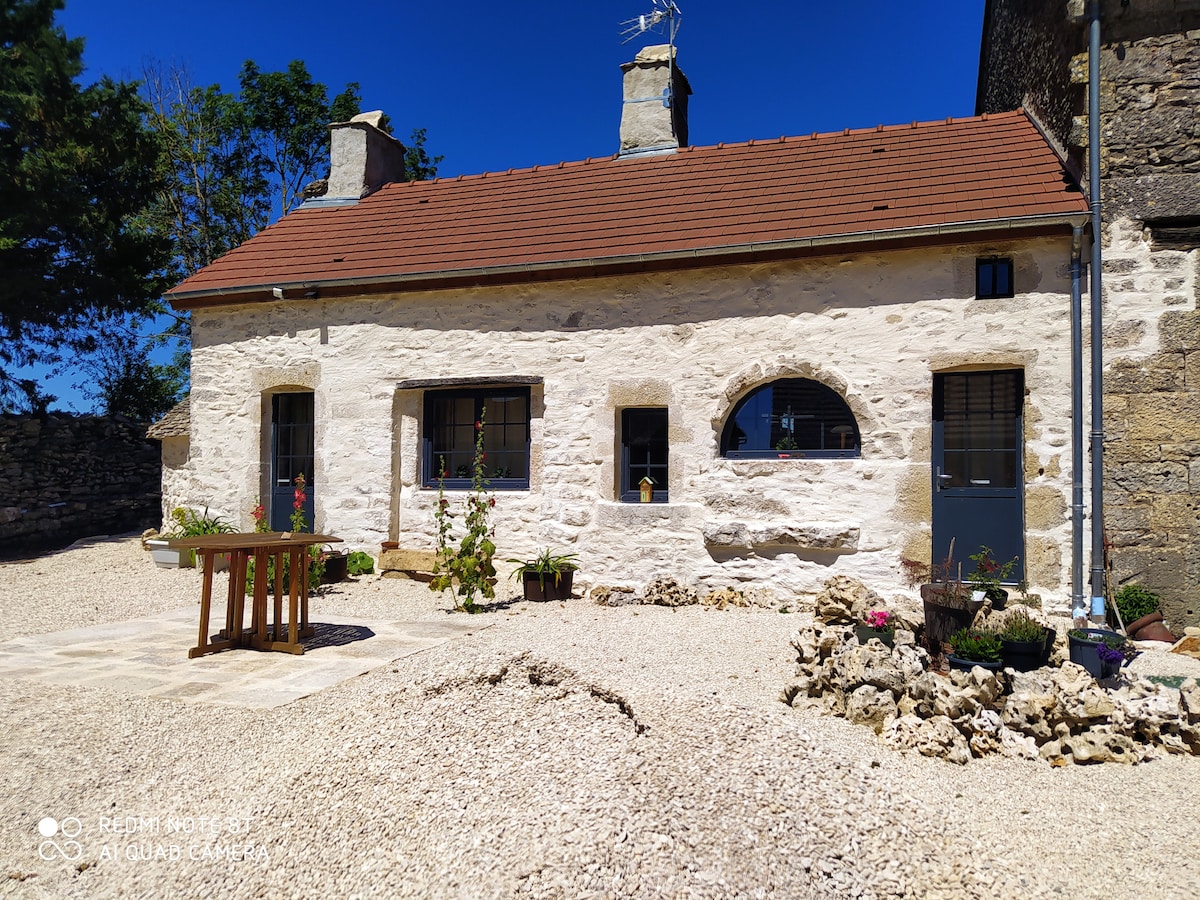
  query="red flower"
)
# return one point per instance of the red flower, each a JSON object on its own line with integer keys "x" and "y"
{"x": 491, "y": 501}
{"x": 479, "y": 426}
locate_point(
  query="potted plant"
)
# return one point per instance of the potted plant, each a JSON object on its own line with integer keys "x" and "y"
{"x": 947, "y": 601}
{"x": 974, "y": 647}
{"x": 186, "y": 523}
{"x": 547, "y": 576}
{"x": 877, "y": 624}
{"x": 988, "y": 575}
{"x": 1085, "y": 644}
{"x": 1022, "y": 642}
{"x": 1140, "y": 612}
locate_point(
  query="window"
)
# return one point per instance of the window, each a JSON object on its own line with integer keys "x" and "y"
{"x": 793, "y": 418}
{"x": 450, "y": 418}
{"x": 993, "y": 277}
{"x": 643, "y": 453}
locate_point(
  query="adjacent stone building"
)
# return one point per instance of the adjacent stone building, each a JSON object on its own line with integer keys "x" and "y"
{"x": 826, "y": 353}
{"x": 1035, "y": 55}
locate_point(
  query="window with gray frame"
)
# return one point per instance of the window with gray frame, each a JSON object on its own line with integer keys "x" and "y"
{"x": 644, "y": 452}
{"x": 451, "y": 424}
{"x": 792, "y": 418}
{"x": 993, "y": 277}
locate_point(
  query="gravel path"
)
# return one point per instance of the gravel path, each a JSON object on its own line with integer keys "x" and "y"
{"x": 567, "y": 750}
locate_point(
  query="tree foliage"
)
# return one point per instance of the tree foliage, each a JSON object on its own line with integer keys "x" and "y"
{"x": 418, "y": 164}
{"x": 108, "y": 198}
{"x": 76, "y": 166}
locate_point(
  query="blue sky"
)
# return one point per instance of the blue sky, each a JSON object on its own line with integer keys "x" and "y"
{"x": 511, "y": 85}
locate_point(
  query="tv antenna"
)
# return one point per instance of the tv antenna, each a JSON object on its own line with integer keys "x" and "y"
{"x": 665, "y": 18}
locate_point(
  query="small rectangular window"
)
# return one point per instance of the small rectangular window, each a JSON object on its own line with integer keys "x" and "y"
{"x": 450, "y": 419}
{"x": 993, "y": 277}
{"x": 644, "y": 448}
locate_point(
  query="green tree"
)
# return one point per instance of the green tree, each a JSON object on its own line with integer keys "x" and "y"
{"x": 288, "y": 116}
{"x": 418, "y": 164}
{"x": 121, "y": 377}
{"x": 76, "y": 166}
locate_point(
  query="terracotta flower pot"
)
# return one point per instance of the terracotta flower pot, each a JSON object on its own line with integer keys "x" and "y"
{"x": 1131, "y": 627}
{"x": 1155, "y": 631}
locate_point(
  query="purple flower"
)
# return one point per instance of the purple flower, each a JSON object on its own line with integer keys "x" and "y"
{"x": 1110, "y": 655}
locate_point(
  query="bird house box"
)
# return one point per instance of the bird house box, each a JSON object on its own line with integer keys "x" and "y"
{"x": 647, "y": 486}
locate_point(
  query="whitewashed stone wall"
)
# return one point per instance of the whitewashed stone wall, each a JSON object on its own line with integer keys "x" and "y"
{"x": 874, "y": 327}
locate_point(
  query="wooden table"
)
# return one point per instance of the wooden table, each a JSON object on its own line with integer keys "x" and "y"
{"x": 261, "y": 547}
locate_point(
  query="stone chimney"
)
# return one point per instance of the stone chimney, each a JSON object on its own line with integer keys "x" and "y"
{"x": 651, "y": 121}
{"x": 363, "y": 158}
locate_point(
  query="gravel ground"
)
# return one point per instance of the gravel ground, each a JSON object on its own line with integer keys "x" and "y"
{"x": 563, "y": 750}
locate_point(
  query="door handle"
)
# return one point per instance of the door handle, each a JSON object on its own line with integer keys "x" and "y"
{"x": 942, "y": 478}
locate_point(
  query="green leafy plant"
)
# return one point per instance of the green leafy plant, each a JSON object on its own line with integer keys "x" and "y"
{"x": 468, "y": 564}
{"x": 359, "y": 563}
{"x": 1020, "y": 627}
{"x": 188, "y": 524}
{"x": 976, "y": 645}
{"x": 545, "y": 563}
{"x": 989, "y": 574}
{"x": 1134, "y": 601}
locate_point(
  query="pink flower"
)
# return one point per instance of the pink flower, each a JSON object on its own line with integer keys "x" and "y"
{"x": 878, "y": 619}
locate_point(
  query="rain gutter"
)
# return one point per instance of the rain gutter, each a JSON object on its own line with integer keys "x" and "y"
{"x": 1097, "y": 335}
{"x": 1078, "y": 607}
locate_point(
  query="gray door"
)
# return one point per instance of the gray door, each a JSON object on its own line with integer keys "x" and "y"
{"x": 291, "y": 455}
{"x": 977, "y": 479}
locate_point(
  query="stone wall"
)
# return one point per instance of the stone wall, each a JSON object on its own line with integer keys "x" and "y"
{"x": 874, "y": 327}
{"x": 1152, "y": 419}
{"x": 1150, "y": 183}
{"x": 67, "y": 477}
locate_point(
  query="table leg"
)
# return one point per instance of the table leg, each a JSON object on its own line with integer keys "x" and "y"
{"x": 299, "y": 575}
{"x": 276, "y": 625}
{"x": 306, "y": 630}
{"x": 258, "y": 623}
{"x": 204, "y": 645}
{"x": 237, "y": 594}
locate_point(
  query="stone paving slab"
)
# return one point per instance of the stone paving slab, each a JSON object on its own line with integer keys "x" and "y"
{"x": 149, "y": 656}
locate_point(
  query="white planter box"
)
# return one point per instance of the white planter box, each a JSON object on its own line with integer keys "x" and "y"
{"x": 166, "y": 558}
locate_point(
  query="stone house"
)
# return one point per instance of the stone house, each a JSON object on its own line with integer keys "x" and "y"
{"x": 828, "y": 352}
{"x": 1035, "y": 55}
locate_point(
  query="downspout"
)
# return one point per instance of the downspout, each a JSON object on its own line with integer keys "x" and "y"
{"x": 1078, "y": 607}
{"x": 1097, "y": 335}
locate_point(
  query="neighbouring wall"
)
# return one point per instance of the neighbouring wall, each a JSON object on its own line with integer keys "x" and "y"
{"x": 1036, "y": 53}
{"x": 66, "y": 477}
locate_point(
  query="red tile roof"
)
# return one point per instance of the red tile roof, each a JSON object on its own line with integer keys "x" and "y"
{"x": 918, "y": 181}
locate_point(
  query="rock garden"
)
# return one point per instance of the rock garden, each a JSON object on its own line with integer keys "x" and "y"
{"x": 863, "y": 660}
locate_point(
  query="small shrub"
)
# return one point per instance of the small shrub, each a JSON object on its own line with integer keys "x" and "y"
{"x": 190, "y": 524}
{"x": 359, "y": 563}
{"x": 1134, "y": 601}
{"x": 976, "y": 645}
{"x": 1020, "y": 627}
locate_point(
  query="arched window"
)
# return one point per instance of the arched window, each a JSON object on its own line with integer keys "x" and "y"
{"x": 792, "y": 418}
